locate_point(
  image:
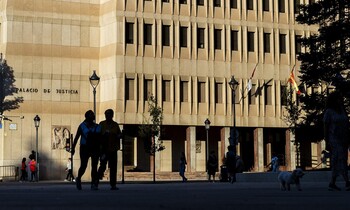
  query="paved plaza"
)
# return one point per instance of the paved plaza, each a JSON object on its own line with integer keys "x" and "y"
{"x": 47, "y": 195}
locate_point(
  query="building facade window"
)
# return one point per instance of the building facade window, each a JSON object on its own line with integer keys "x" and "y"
{"x": 250, "y": 39}
{"x": 166, "y": 35}
{"x": 250, "y": 4}
{"x": 200, "y": 38}
{"x": 281, "y": 6}
{"x": 201, "y": 92}
{"x": 266, "y": 5}
{"x": 165, "y": 1}
{"x": 268, "y": 94}
{"x": 217, "y": 3}
{"x": 217, "y": 39}
{"x": 129, "y": 33}
{"x": 296, "y": 6}
{"x": 218, "y": 92}
{"x": 183, "y": 36}
{"x": 147, "y": 89}
{"x": 284, "y": 95}
{"x": 283, "y": 43}
{"x": 200, "y": 2}
{"x": 233, "y": 4}
{"x": 129, "y": 89}
{"x": 183, "y": 1}
{"x": 166, "y": 90}
{"x": 234, "y": 40}
{"x": 267, "y": 38}
{"x": 184, "y": 91}
{"x": 148, "y": 34}
{"x": 297, "y": 44}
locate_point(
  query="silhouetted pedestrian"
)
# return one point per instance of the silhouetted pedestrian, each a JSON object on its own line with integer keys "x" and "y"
{"x": 336, "y": 134}
{"x": 231, "y": 163}
{"x": 212, "y": 165}
{"x": 111, "y": 135}
{"x": 274, "y": 164}
{"x": 88, "y": 132}
{"x": 183, "y": 164}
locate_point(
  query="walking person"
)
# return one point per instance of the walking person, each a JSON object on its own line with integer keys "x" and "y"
{"x": 212, "y": 166}
{"x": 274, "y": 163}
{"x": 231, "y": 163}
{"x": 88, "y": 132}
{"x": 183, "y": 164}
{"x": 24, "y": 173}
{"x": 69, "y": 176}
{"x": 336, "y": 134}
{"x": 33, "y": 170}
{"x": 111, "y": 135}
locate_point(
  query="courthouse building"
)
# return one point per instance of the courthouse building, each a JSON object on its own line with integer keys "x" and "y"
{"x": 183, "y": 52}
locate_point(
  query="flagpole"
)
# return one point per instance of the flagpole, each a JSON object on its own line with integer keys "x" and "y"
{"x": 292, "y": 83}
{"x": 248, "y": 88}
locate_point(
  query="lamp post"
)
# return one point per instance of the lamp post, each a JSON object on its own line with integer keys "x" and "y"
{"x": 233, "y": 85}
{"x": 94, "y": 80}
{"x": 37, "y": 124}
{"x": 207, "y": 126}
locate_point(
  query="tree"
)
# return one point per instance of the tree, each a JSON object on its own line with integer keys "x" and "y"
{"x": 150, "y": 132}
{"x": 7, "y": 88}
{"x": 326, "y": 61}
{"x": 292, "y": 119}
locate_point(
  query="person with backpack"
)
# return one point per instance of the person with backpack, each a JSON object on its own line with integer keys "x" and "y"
{"x": 89, "y": 134}
{"x": 274, "y": 163}
{"x": 33, "y": 170}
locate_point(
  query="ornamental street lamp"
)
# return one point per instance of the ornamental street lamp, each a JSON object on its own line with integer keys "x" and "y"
{"x": 37, "y": 124}
{"x": 94, "y": 81}
{"x": 233, "y": 85}
{"x": 207, "y": 126}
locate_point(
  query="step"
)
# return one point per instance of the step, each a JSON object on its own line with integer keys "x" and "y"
{"x": 310, "y": 176}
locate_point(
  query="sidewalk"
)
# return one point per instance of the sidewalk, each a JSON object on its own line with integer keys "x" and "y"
{"x": 310, "y": 176}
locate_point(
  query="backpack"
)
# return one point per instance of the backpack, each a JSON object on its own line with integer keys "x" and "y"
{"x": 32, "y": 165}
{"x": 91, "y": 135}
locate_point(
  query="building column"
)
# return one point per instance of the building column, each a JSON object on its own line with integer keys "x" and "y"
{"x": 224, "y": 136}
{"x": 290, "y": 151}
{"x": 259, "y": 149}
{"x": 120, "y": 156}
{"x": 190, "y": 149}
{"x": 268, "y": 152}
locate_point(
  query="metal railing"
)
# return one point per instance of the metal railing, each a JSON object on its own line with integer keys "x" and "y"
{"x": 10, "y": 171}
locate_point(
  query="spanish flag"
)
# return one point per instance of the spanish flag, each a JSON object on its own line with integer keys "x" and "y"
{"x": 293, "y": 82}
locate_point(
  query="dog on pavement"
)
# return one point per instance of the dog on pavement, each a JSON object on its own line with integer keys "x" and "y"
{"x": 287, "y": 178}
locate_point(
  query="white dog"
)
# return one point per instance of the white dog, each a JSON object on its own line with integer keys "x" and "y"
{"x": 287, "y": 178}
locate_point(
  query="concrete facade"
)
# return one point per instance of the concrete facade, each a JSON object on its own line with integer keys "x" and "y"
{"x": 150, "y": 46}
